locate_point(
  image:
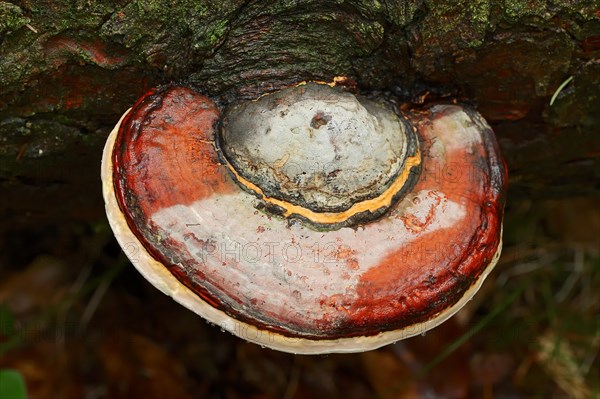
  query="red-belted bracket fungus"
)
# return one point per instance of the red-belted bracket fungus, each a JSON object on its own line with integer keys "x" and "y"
{"x": 309, "y": 220}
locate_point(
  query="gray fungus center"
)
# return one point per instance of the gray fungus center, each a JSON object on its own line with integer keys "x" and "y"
{"x": 315, "y": 146}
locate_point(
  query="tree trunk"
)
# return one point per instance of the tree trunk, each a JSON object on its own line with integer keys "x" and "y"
{"x": 69, "y": 69}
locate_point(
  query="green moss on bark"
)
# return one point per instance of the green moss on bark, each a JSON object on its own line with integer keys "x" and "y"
{"x": 11, "y": 17}
{"x": 171, "y": 35}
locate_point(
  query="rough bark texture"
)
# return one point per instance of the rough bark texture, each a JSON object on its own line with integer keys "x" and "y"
{"x": 69, "y": 69}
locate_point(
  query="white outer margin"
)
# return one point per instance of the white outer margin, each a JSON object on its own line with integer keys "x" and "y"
{"x": 159, "y": 276}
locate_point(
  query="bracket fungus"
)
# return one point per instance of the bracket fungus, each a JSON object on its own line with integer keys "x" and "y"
{"x": 309, "y": 220}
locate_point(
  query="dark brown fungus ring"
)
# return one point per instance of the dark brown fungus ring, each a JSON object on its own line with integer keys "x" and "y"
{"x": 310, "y": 220}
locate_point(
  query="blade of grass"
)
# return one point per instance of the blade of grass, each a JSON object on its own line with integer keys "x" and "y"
{"x": 464, "y": 338}
{"x": 560, "y": 88}
{"x": 476, "y": 329}
{"x": 18, "y": 338}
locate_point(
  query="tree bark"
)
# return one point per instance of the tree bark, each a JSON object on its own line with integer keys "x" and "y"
{"x": 69, "y": 69}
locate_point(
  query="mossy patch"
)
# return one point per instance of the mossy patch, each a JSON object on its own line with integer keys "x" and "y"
{"x": 170, "y": 28}
{"x": 470, "y": 19}
{"x": 11, "y": 17}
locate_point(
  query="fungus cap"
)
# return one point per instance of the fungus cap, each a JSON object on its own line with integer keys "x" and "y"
{"x": 310, "y": 220}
